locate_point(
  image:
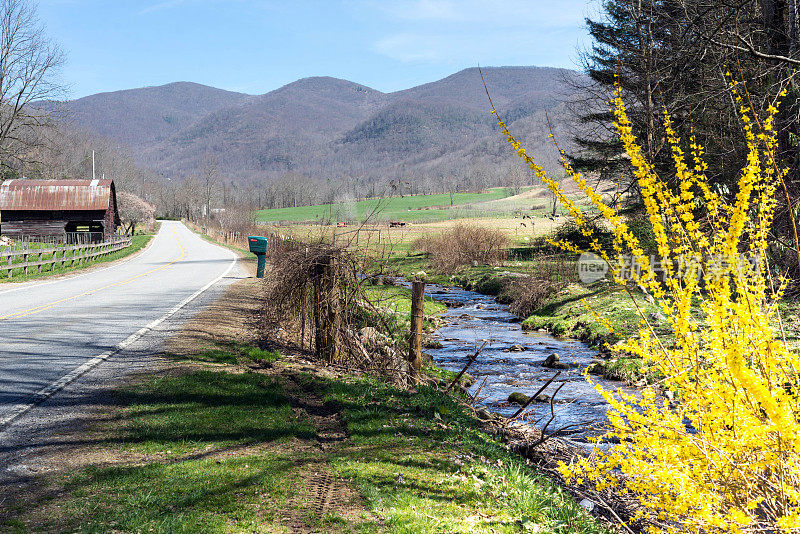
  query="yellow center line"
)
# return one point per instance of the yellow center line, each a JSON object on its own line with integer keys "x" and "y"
{"x": 43, "y": 307}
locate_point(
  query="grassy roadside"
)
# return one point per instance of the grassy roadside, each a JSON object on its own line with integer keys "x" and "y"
{"x": 241, "y": 251}
{"x": 245, "y": 256}
{"x": 221, "y": 450}
{"x": 231, "y": 437}
{"x": 138, "y": 243}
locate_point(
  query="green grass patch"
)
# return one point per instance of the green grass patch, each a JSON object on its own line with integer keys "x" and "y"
{"x": 230, "y": 353}
{"x": 626, "y": 369}
{"x": 239, "y": 494}
{"x": 397, "y": 301}
{"x": 138, "y": 242}
{"x": 176, "y": 423}
{"x": 424, "y": 467}
{"x": 190, "y": 412}
{"x": 221, "y": 450}
{"x": 407, "y": 208}
{"x": 575, "y": 310}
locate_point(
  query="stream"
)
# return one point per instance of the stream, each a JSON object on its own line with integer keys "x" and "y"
{"x": 472, "y": 318}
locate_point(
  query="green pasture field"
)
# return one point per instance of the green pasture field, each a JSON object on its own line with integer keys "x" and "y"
{"x": 407, "y": 208}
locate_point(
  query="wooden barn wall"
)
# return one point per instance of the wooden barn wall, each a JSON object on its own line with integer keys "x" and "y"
{"x": 45, "y": 223}
{"x": 109, "y": 225}
{"x": 51, "y": 228}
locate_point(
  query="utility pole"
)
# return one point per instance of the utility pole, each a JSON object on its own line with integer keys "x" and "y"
{"x": 93, "y": 165}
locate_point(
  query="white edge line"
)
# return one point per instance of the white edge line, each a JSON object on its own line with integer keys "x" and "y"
{"x": 47, "y": 392}
{"x": 66, "y": 276}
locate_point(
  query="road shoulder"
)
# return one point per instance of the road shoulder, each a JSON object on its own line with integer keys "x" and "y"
{"x": 236, "y": 430}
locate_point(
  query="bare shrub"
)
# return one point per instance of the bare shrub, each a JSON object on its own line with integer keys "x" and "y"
{"x": 464, "y": 245}
{"x": 561, "y": 267}
{"x": 547, "y": 274}
{"x": 528, "y": 294}
{"x": 316, "y": 290}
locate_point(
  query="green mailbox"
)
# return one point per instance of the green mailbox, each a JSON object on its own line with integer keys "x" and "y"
{"x": 258, "y": 246}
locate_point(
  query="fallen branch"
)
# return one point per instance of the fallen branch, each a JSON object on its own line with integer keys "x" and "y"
{"x": 464, "y": 370}
{"x": 605, "y": 505}
{"x": 533, "y": 397}
{"x": 353, "y": 339}
{"x": 477, "y": 392}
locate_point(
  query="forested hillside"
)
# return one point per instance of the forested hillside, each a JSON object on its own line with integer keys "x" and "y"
{"x": 330, "y": 129}
{"x": 141, "y": 117}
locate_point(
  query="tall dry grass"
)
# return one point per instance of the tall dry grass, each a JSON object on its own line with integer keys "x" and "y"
{"x": 463, "y": 245}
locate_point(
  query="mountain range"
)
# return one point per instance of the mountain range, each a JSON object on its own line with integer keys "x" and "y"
{"x": 329, "y": 128}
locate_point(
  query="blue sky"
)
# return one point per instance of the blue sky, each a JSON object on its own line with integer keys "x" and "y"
{"x": 255, "y": 46}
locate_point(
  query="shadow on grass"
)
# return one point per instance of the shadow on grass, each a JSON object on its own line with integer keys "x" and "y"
{"x": 208, "y": 407}
{"x": 230, "y": 353}
{"x": 195, "y": 433}
{"x": 549, "y": 310}
{"x": 191, "y": 496}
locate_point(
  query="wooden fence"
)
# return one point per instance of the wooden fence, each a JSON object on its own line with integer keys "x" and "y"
{"x": 275, "y": 241}
{"x": 36, "y": 256}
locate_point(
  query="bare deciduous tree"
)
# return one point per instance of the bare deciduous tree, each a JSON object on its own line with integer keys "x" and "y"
{"x": 208, "y": 184}
{"x": 29, "y": 64}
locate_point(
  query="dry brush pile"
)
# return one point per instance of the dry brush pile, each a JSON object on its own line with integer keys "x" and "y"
{"x": 317, "y": 291}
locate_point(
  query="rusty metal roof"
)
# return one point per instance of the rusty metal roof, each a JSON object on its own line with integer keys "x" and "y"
{"x": 55, "y": 195}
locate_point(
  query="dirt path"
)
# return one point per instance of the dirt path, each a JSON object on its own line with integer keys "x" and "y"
{"x": 234, "y": 319}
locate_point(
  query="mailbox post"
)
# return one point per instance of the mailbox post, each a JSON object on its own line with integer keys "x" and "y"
{"x": 258, "y": 246}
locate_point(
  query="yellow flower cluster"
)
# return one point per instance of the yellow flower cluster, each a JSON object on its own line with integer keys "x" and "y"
{"x": 724, "y": 455}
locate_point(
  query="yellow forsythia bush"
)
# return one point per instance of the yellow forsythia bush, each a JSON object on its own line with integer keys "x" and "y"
{"x": 725, "y": 455}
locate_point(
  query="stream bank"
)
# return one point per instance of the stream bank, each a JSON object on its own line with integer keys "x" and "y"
{"x": 511, "y": 362}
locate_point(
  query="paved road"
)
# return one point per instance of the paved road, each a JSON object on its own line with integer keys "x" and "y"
{"x": 51, "y": 331}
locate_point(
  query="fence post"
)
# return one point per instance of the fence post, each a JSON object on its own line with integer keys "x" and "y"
{"x": 415, "y": 342}
{"x": 327, "y": 343}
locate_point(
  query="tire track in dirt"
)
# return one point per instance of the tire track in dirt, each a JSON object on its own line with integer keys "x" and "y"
{"x": 321, "y": 491}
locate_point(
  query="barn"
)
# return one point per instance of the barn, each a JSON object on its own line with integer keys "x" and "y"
{"x": 58, "y": 208}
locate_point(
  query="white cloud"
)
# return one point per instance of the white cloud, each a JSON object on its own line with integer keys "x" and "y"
{"x": 506, "y": 13}
{"x": 452, "y": 31}
{"x": 504, "y": 48}
{"x": 426, "y": 10}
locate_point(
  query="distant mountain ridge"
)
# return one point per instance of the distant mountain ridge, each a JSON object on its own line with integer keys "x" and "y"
{"x": 141, "y": 117}
{"x": 327, "y": 127}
